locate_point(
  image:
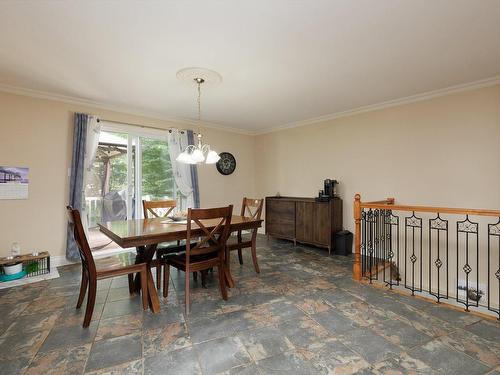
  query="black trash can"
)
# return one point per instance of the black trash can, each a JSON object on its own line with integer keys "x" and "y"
{"x": 343, "y": 243}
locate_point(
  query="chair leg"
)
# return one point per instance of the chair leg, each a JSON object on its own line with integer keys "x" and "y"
{"x": 222, "y": 281}
{"x": 240, "y": 256}
{"x": 166, "y": 279}
{"x": 83, "y": 289}
{"x": 204, "y": 275}
{"x": 227, "y": 254}
{"x": 254, "y": 257}
{"x": 131, "y": 285}
{"x": 158, "y": 276}
{"x": 90, "y": 303}
{"x": 186, "y": 293}
{"x": 144, "y": 288}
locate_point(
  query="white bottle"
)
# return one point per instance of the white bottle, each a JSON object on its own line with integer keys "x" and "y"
{"x": 15, "y": 249}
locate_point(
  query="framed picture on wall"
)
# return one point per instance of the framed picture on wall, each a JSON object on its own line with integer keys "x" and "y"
{"x": 14, "y": 182}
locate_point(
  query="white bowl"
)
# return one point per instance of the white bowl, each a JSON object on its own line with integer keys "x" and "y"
{"x": 13, "y": 268}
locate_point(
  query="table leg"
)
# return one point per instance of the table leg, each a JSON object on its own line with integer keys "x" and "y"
{"x": 146, "y": 254}
{"x": 154, "y": 301}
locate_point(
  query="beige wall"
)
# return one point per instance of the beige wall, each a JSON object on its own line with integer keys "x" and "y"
{"x": 37, "y": 133}
{"x": 442, "y": 151}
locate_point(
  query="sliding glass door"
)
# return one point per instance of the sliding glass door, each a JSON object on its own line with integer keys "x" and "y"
{"x": 156, "y": 175}
{"x": 106, "y": 193}
{"x": 130, "y": 165}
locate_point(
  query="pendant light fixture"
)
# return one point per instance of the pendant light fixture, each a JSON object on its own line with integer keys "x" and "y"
{"x": 199, "y": 153}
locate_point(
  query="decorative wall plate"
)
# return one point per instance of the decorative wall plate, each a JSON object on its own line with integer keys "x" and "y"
{"x": 227, "y": 163}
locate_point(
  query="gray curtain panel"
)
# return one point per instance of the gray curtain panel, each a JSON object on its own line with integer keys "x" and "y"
{"x": 76, "y": 185}
{"x": 194, "y": 174}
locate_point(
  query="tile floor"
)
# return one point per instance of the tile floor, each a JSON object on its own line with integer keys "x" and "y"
{"x": 302, "y": 315}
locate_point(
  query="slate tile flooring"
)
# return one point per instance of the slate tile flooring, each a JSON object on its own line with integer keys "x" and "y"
{"x": 302, "y": 315}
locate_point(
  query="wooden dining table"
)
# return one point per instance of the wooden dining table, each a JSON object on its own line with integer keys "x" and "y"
{"x": 146, "y": 234}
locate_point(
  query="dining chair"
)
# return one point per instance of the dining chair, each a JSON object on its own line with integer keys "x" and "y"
{"x": 161, "y": 209}
{"x": 150, "y": 208}
{"x": 97, "y": 269}
{"x": 251, "y": 208}
{"x": 211, "y": 227}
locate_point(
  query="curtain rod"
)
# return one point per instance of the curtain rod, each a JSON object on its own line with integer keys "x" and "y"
{"x": 139, "y": 125}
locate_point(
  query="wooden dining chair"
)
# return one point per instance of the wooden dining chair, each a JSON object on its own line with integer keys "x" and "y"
{"x": 208, "y": 252}
{"x": 97, "y": 269}
{"x": 251, "y": 208}
{"x": 161, "y": 209}
{"x": 150, "y": 208}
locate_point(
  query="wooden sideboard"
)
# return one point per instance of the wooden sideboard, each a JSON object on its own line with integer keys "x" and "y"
{"x": 304, "y": 220}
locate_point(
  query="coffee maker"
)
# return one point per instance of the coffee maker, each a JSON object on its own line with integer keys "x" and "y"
{"x": 330, "y": 187}
{"x": 328, "y": 191}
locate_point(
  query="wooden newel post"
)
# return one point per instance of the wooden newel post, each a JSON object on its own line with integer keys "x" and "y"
{"x": 356, "y": 269}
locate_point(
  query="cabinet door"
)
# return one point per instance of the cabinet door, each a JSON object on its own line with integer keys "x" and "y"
{"x": 280, "y": 218}
{"x": 304, "y": 221}
{"x": 322, "y": 222}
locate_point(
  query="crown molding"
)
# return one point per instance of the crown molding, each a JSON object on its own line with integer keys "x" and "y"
{"x": 296, "y": 124}
{"x": 117, "y": 108}
{"x": 492, "y": 81}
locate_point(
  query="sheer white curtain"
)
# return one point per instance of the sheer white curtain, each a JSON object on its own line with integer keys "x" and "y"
{"x": 91, "y": 144}
{"x": 93, "y": 132}
{"x": 177, "y": 142}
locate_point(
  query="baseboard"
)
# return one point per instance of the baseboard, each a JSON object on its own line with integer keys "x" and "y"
{"x": 60, "y": 260}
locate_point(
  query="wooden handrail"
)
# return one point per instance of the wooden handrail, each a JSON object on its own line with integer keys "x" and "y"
{"x": 441, "y": 210}
{"x": 384, "y": 201}
{"x": 388, "y": 204}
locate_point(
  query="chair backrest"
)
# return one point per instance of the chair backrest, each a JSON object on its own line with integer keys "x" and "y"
{"x": 82, "y": 244}
{"x": 215, "y": 224}
{"x": 150, "y": 208}
{"x": 252, "y": 208}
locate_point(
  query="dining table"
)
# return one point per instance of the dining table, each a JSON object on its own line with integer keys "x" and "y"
{"x": 146, "y": 234}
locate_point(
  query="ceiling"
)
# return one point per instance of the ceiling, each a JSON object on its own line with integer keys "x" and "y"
{"x": 282, "y": 61}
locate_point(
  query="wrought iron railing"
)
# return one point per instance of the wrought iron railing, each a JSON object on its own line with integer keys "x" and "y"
{"x": 445, "y": 253}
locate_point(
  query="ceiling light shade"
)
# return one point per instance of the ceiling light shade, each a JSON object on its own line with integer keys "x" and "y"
{"x": 185, "y": 157}
{"x": 212, "y": 157}
{"x": 198, "y": 156}
{"x": 182, "y": 157}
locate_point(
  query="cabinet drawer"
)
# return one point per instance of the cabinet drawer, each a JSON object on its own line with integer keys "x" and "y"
{"x": 280, "y": 218}
{"x": 284, "y": 229}
{"x": 284, "y": 210}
